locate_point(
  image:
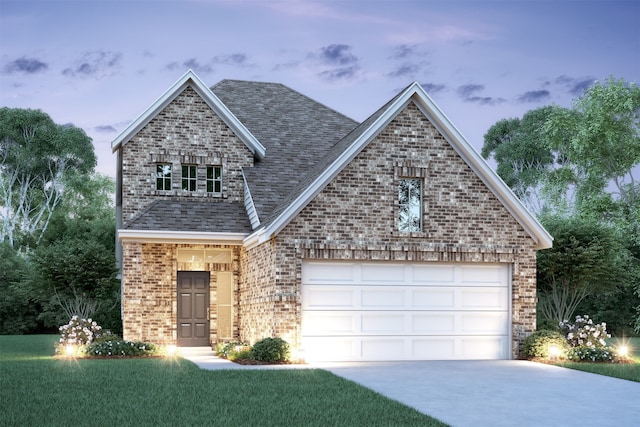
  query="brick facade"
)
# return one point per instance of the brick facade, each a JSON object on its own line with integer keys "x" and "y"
{"x": 353, "y": 218}
{"x": 186, "y": 132}
{"x": 149, "y": 297}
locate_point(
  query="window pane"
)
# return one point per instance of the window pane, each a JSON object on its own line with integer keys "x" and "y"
{"x": 214, "y": 179}
{"x": 410, "y": 204}
{"x": 189, "y": 177}
{"x": 163, "y": 177}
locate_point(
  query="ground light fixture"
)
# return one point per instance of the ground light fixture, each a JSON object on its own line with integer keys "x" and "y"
{"x": 623, "y": 350}
{"x": 171, "y": 350}
{"x": 70, "y": 350}
{"x": 554, "y": 352}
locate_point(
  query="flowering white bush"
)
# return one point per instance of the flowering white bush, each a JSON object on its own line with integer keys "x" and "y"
{"x": 588, "y": 354}
{"x": 584, "y": 333}
{"x": 79, "y": 331}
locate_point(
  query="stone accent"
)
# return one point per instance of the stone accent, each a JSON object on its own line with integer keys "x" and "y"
{"x": 187, "y": 131}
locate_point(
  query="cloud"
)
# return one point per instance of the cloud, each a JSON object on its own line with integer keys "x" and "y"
{"x": 432, "y": 88}
{"x": 403, "y": 51}
{"x": 96, "y": 64}
{"x": 406, "y": 69}
{"x": 338, "y": 61}
{"x": 469, "y": 93}
{"x": 193, "y": 64}
{"x": 337, "y": 54}
{"x": 534, "y": 96}
{"x": 342, "y": 73}
{"x": 26, "y": 65}
{"x": 575, "y": 86}
{"x": 237, "y": 59}
{"x": 105, "y": 129}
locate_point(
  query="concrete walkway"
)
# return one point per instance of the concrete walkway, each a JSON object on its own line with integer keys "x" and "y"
{"x": 487, "y": 393}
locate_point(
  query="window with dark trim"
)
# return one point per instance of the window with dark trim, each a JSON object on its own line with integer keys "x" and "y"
{"x": 189, "y": 177}
{"x": 163, "y": 176}
{"x": 214, "y": 179}
{"x": 410, "y": 204}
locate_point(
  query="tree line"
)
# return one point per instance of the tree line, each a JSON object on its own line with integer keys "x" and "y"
{"x": 57, "y": 237}
{"x": 577, "y": 170}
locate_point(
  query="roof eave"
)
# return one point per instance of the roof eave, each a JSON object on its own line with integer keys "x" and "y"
{"x": 190, "y": 79}
{"x": 193, "y": 237}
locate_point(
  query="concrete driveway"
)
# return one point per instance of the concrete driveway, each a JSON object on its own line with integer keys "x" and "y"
{"x": 509, "y": 393}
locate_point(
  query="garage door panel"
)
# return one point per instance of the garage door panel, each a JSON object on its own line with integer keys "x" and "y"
{"x": 487, "y": 323}
{"x": 329, "y": 272}
{"x": 379, "y": 273}
{"x": 384, "y": 348}
{"x": 433, "y": 298}
{"x": 373, "y": 323}
{"x": 383, "y": 298}
{"x": 422, "y": 274}
{"x": 319, "y": 297}
{"x": 433, "y": 323}
{"x": 479, "y": 275}
{"x": 484, "y": 299}
{"x": 483, "y": 348}
{"x": 330, "y": 323}
{"x": 430, "y": 348}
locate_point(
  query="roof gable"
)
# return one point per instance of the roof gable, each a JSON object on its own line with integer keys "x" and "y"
{"x": 190, "y": 79}
{"x": 352, "y": 144}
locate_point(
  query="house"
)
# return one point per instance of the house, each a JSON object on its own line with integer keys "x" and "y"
{"x": 248, "y": 210}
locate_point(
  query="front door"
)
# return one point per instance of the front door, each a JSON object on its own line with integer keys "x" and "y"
{"x": 193, "y": 308}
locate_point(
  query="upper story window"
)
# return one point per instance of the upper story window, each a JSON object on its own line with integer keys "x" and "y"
{"x": 410, "y": 198}
{"x": 189, "y": 177}
{"x": 163, "y": 176}
{"x": 214, "y": 179}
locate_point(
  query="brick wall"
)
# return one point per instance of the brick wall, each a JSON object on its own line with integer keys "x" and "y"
{"x": 149, "y": 281}
{"x": 355, "y": 217}
{"x": 187, "y": 131}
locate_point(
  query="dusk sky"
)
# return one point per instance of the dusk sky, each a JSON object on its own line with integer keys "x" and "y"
{"x": 100, "y": 64}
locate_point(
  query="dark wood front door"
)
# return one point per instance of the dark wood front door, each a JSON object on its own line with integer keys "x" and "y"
{"x": 193, "y": 308}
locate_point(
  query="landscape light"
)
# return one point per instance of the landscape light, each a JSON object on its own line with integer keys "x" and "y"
{"x": 172, "y": 350}
{"x": 554, "y": 352}
{"x": 623, "y": 351}
{"x": 70, "y": 350}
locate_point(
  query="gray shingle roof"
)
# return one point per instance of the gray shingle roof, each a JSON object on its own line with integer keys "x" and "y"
{"x": 193, "y": 215}
{"x": 296, "y": 131}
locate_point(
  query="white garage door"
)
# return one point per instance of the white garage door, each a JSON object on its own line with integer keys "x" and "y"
{"x": 368, "y": 311}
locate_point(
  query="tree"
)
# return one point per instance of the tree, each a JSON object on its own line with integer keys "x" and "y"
{"x": 523, "y": 158}
{"x": 596, "y": 143}
{"x": 18, "y": 309}
{"x": 37, "y": 159}
{"x": 587, "y": 258}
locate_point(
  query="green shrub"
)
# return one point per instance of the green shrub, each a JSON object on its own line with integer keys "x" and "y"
{"x": 121, "y": 348}
{"x": 106, "y": 336}
{"x": 271, "y": 350}
{"x": 538, "y": 343}
{"x": 591, "y": 354}
{"x": 231, "y": 350}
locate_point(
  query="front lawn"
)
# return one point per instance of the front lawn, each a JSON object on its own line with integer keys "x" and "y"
{"x": 37, "y": 389}
{"x": 625, "y": 371}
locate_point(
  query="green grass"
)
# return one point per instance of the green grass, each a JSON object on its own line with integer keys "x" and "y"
{"x": 37, "y": 389}
{"x": 626, "y": 371}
